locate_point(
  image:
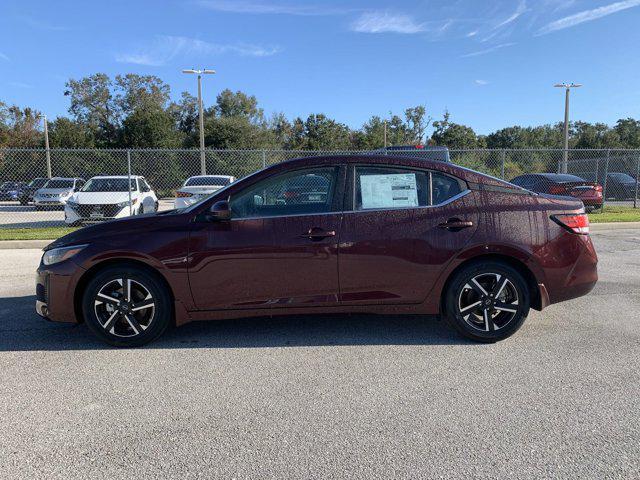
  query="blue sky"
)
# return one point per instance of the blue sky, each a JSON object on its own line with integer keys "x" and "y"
{"x": 490, "y": 63}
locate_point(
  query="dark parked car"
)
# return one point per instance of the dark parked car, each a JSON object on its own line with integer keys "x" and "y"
{"x": 428, "y": 152}
{"x": 621, "y": 186}
{"x": 26, "y": 193}
{"x": 10, "y": 190}
{"x": 386, "y": 235}
{"x": 563, "y": 184}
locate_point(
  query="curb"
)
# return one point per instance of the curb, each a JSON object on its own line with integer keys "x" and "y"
{"x": 23, "y": 244}
{"x": 598, "y": 227}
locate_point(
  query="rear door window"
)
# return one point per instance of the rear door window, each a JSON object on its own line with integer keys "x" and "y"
{"x": 386, "y": 187}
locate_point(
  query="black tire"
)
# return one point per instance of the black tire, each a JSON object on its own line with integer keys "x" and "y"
{"x": 144, "y": 325}
{"x": 505, "y": 313}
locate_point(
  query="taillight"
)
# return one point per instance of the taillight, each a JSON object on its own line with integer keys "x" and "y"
{"x": 598, "y": 188}
{"x": 290, "y": 194}
{"x": 574, "y": 222}
{"x": 184, "y": 194}
{"x": 557, "y": 190}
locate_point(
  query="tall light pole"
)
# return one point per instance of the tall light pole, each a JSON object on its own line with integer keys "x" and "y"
{"x": 203, "y": 163}
{"x": 565, "y": 153}
{"x": 46, "y": 144}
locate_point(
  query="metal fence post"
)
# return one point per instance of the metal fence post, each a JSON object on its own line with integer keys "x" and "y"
{"x": 504, "y": 157}
{"x": 129, "y": 180}
{"x": 606, "y": 171}
{"x": 635, "y": 195}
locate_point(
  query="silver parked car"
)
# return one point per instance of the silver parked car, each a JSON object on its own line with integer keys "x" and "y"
{"x": 56, "y": 192}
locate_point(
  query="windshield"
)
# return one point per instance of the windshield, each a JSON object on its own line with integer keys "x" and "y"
{"x": 59, "y": 184}
{"x": 108, "y": 185}
{"x": 37, "y": 182}
{"x": 207, "y": 181}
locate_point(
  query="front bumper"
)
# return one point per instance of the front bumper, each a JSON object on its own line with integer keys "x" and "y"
{"x": 49, "y": 202}
{"x": 55, "y": 287}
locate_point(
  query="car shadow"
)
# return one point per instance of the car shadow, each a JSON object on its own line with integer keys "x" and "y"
{"x": 22, "y": 330}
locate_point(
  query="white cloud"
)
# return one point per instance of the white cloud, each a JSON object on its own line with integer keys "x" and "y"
{"x": 481, "y": 82}
{"x": 166, "y": 48}
{"x": 267, "y": 8}
{"x": 4, "y": 57}
{"x": 20, "y": 85}
{"x": 522, "y": 7}
{"x": 488, "y": 50}
{"x": 472, "y": 33}
{"x": 587, "y": 16}
{"x": 386, "y": 22}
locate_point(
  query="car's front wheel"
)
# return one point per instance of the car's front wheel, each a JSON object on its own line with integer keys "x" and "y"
{"x": 487, "y": 301}
{"x": 126, "y": 306}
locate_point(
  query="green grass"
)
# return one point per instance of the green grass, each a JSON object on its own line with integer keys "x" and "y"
{"x": 42, "y": 233}
{"x": 615, "y": 214}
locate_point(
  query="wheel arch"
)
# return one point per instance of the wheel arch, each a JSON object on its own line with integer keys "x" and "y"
{"x": 521, "y": 267}
{"x": 111, "y": 262}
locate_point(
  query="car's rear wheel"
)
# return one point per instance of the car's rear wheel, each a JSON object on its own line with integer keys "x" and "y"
{"x": 126, "y": 306}
{"x": 487, "y": 301}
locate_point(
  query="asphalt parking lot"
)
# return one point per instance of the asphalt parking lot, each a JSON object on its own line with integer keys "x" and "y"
{"x": 332, "y": 397}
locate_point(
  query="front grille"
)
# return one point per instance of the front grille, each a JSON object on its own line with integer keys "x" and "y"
{"x": 85, "y": 211}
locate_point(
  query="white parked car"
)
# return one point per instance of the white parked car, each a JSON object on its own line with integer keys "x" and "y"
{"x": 56, "y": 192}
{"x": 200, "y": 186}
{"x": 106, "y": 198}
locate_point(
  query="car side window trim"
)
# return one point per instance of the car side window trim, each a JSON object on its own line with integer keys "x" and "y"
{"x": 351, "y": 208}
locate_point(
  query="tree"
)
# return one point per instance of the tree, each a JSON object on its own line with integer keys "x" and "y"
{"x": 150, "y": 128}
{"x": 417, "y": 123}
{"x": 628, "y": 130}
{"x": 140, "y": 92}
{"x": 67, "y": 133}
{"x": 322, "y": 133}
{"x": 229, "y": 104}
{"x": 453, "y": 135}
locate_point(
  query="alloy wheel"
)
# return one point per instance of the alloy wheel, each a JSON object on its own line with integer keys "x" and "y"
{"x": 124, "y": 307}
{"x": 488, "y": 302}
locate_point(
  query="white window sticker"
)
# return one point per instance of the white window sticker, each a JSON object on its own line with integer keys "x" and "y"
{"x": 388, "y": 191}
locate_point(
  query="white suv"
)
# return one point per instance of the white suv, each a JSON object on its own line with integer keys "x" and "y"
{"x": 106, "y": 198}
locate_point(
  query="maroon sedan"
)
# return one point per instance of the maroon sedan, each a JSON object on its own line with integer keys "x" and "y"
{"x": 372, "y": 234}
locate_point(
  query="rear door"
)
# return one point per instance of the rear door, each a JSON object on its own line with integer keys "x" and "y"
{"x": 401, "y": 228}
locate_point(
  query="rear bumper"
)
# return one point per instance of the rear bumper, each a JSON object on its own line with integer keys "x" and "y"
{"x": 579, "y": 277}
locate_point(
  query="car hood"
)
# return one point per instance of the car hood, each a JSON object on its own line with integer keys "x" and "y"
{"x": 104, "y": 232}
{"x": 54, "y": 191}
{"x": 102, "y": 198}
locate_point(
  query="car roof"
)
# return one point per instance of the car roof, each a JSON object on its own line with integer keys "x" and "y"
{"x": 116, "y": 176}
{"x": 212, "y": 175}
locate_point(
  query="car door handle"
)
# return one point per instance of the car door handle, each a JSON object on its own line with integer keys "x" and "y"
{"x": 318, "y": 234}
{"x": 455, "y": 224}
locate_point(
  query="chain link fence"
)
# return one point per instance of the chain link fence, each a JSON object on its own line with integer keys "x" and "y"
{"x": 150, "y": 178}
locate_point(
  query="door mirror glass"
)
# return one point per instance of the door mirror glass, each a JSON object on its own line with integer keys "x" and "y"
{"x": 220, "y": 211}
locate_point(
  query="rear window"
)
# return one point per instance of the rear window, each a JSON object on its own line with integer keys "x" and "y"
{"x": 206, "y": 181}
{"x": 563, "y": 177}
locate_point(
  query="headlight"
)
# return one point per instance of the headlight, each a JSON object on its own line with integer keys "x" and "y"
{"x": 57, "y": 255}
{"x": 121, "y": 205}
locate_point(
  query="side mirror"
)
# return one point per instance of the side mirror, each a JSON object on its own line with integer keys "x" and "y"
{"x": 219, "y": 211}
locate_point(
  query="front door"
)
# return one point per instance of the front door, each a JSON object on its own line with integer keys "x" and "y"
{"x": 280, "y": 248}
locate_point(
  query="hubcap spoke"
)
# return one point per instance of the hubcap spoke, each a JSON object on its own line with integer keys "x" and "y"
{"x": 488, "y": 322}
{"x": 107, "y": 299}
{"x": 133, "y": 323}
{"x": 506, "y": 307}
{"x": 143, "y": 305}
{"x": 469, "y": 307}
{"x": 501, "y": 282}
{"x": 477, "y": 287}
{"x": 108, "y": 325}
